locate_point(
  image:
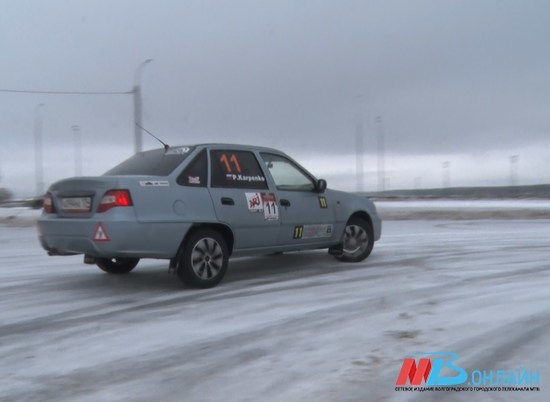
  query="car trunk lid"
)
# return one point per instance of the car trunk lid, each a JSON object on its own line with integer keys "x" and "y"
{"x": 79, "y": 197}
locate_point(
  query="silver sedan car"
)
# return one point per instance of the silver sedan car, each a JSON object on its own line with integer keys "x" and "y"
{"x": 197, "y": 206}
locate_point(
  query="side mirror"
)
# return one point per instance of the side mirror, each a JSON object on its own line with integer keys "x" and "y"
{"x": 321, "y": 186}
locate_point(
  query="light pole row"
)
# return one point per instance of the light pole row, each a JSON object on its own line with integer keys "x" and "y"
{"x": 381, "y": 165}
{"x": 38, "y": 153}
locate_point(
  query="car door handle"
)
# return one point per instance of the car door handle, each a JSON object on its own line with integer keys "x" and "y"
{"x": 285, "y": 202}
{"x": 227, "y": 201}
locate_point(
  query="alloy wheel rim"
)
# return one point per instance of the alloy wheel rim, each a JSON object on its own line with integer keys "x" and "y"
{"x": 356, "y": 240}
{"x": 207, "y": 258}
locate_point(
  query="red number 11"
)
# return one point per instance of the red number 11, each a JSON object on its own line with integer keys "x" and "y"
{"x": 232, "y": 159}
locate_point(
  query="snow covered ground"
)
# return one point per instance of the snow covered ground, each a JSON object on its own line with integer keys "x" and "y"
{"x": 298, "y": 326}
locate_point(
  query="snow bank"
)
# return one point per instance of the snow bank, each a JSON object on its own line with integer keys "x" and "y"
{"x": 388, "y": 210}
{"x": 19, "y": 216}
{"x": 463, "y": 209}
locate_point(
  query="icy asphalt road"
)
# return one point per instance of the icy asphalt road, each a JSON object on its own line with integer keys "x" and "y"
{"x": 299, "y": 326}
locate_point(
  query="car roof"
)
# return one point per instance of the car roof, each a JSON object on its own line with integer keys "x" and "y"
{"x": 231, "y": 146}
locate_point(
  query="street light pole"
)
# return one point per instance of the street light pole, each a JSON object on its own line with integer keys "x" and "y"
{"x": 514, "y": 170}
{"x": 359, "y": 151}
{"x": 381, "y": 156}
{"x": 77, "y": 151}
{"x": 38, "y": 163}
{"x": 446, "y": 174}
{"x": 138, "y": 138}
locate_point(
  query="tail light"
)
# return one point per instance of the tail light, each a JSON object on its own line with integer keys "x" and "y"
{"x": 115, "y": 198}
{"x": 48, "y": 204}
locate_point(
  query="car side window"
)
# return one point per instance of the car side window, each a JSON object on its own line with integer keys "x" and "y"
{"x": 286, "y": 174}
{"x": 196, "y": 173}
{"x": 236, "y": 169}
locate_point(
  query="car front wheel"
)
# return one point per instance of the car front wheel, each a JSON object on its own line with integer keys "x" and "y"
{"x": 117, "y": 266}
{"x": 358, "y": 241}
{"x": 203, "y": 261}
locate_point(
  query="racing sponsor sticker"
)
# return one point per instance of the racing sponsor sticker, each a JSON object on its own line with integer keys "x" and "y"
{"x": 154, "y": 183}
{"x": 244, "y": 178}
{"x": 266, "y": 202}
{"x": 254, "y": 202}
{"x": 177, "y": 151}
{"x": 312, "y": 231}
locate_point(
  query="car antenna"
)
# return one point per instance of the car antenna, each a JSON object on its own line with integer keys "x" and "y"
{"x": 166, "y": 146}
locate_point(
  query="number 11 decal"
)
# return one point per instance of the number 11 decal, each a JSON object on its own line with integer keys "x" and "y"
{"x": 227, "y": 162}
{"x": 271, "y": 212}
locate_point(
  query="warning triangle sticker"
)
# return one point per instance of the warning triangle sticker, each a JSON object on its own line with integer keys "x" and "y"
{"x": 100, "y": 234}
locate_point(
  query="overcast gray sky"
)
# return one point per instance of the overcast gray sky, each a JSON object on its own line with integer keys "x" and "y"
{"x": 461, "y": 81}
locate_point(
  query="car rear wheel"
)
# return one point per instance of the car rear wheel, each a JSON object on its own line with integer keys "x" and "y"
{"x": 117, "y": 266}
{"x": 203, "y": 260}
{"x": 358, "y": 241}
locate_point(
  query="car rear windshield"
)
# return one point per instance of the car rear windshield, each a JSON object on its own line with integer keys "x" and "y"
{"x": 151, "y": 163}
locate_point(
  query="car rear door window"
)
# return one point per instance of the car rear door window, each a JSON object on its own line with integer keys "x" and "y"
{"x": 236, "y": 169}
{"x": 196, "y": 173}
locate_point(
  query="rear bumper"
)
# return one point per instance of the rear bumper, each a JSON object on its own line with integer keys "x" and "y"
{"x": 123, "y": 238}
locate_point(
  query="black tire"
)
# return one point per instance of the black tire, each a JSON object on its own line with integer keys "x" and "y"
{"x": 203, "y": 261}
{"x": 358, "y": 241}
{"x": 117, "y": 266}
